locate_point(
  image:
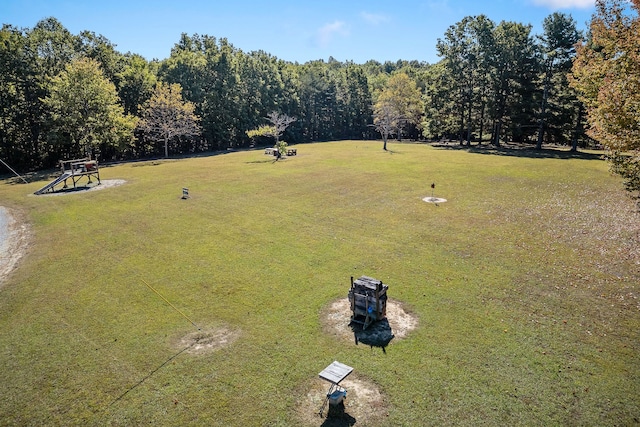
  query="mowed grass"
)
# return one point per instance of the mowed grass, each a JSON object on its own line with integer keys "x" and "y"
{"x": 525, "y": 284}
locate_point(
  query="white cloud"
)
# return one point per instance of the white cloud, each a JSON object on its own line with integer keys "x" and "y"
{"x": 326, "y": 34}
{"x": 374, "y": 18}
{"x": 565, "y": 4}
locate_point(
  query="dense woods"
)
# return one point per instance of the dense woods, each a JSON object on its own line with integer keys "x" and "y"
{"x": 494, "y": 83}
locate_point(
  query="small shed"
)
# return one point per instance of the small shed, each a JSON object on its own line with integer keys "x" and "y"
{"x": 368, "y": 298}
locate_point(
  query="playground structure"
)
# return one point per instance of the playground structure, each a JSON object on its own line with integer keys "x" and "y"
{"x": 368, "y": 298}
{"x": 74, "y": 170}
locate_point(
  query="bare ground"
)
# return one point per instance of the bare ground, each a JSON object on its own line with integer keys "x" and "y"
{"x": 104, "y": 184}
{"x": 14, "y": 242}
{"x": 207, "y": 340}
{"x": 365, "y": 404}
{"x": 336, "y": 321}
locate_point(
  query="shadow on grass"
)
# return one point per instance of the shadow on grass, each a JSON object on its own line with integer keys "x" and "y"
{"x": 152, "y": 372}
{"x": 377, "y": 334}
{"x": 345, "y": 420}
{"x": 520, "y": 150}
{"x": 390, "y": 151}
{"x": 43, "y": 175}
{"x": 264, "y": 161}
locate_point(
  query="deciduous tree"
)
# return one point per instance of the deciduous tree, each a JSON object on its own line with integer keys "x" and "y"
{"x": 166, "y": 116}
{"x": 28, "y": 61}
{"x": 399, "y": 104}
{"x": 607, "y": 74}
{"x": 386, "y": 120}
{"x": 85, "y": 108}
{"x": 279, "y": 123}
{"x": 137, "y": 80}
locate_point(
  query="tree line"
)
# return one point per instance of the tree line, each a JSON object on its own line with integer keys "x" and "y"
{"x": 64, "y": 95}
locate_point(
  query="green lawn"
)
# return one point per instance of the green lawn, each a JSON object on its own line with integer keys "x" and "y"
{"x": 525, "y": 284}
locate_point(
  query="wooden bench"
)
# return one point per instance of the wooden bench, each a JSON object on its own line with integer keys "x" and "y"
{"x": 274, "y": 151}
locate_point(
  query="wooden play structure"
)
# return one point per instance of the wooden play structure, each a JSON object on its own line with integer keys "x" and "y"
{"x": 368, "y": 298}
{"x": 334, "y": 374}
{"x": 73, "y": 170}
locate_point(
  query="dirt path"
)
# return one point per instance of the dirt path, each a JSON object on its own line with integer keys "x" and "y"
{"x": 14, "y": 240}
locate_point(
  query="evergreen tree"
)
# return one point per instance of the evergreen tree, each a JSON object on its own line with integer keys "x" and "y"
{"x": 556, "y": 56}
{"x": 512, "y": 71}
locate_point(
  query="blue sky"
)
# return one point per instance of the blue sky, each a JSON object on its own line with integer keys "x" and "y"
{"x": 291, "y": 30}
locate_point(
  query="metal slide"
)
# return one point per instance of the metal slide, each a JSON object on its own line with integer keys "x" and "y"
{"x": 53, "y": 183}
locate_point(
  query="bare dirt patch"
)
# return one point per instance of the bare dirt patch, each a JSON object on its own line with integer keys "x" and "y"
{"x": 104, "y": 184}
{"x": 336, "y": 320}
{"x": 207, "y": 340}
{"x": 365, "y": 404}
{"x": 14, "y": 241}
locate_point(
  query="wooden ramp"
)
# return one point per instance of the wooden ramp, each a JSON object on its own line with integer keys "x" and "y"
{"x": 50, "y": 186}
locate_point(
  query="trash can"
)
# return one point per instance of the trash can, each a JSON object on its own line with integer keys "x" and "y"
{"x": 337, "y": 397}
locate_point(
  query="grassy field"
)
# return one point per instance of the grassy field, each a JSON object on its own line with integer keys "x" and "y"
{"x": 525, "y": 284}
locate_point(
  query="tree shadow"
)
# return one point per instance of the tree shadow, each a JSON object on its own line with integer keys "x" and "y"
{"x": 519, "y": 150}
{"x": 10, "y": 180}
{"x": 261, "y": 161}
{"x": 377, "y": 334}
{"x": 390, "y": 151}
{"x": 30, "y": 177}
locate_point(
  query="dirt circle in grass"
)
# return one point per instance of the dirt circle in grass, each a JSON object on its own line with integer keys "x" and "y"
{"x": 207, "y": 340}
{"x": 434, "y": 200}
{"x": 103, "y": 185}
{"x": 336, "y": 320}
{"x": 365, "y": 404}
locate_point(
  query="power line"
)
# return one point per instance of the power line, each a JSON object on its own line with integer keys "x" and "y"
{"x": 172, "y": 306}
